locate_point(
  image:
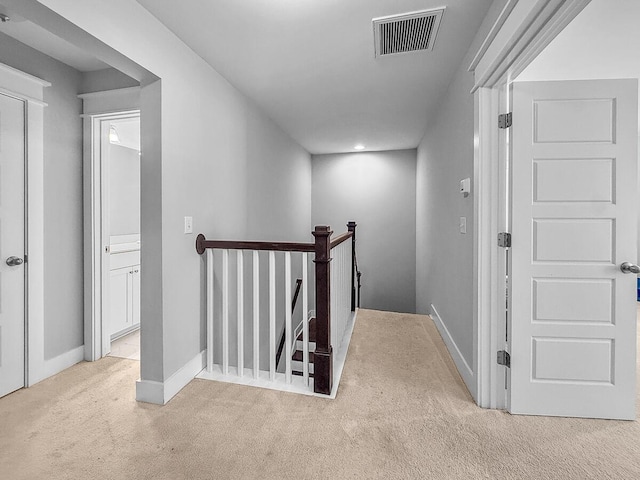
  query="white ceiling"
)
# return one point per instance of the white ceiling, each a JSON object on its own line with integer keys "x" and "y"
{"x": 310, "y": 64}
{"x": 42, "y": 40}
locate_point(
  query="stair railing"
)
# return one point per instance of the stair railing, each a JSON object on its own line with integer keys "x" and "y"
{"x": 334, "y": 300}
{"x": 284, "y": 333}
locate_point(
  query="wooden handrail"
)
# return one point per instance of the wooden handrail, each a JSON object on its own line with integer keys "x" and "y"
{"x": 202, "y": 244}
{"x": 340, "y": 238}
{"x": 321, "y": 247}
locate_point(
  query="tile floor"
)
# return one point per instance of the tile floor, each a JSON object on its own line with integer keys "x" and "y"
{"x": 127, "y": 346}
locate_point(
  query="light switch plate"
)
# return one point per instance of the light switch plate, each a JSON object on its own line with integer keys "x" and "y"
{"x": 463, "y": 224}
{"x": 465, "y": 187}
{"x": 188, "y": 225}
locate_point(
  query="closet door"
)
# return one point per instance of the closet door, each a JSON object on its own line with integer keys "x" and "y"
{"x": 12, "y": 244}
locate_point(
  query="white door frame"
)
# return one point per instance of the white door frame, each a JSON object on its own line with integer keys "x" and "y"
{"x": 30, "y": 89}
{"x": 522, "y": 30}
{"x": 98, "y": 108}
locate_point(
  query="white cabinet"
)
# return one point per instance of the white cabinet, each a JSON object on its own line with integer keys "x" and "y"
{"x": 124, "y": 299}
{"x": 120, "y": 300}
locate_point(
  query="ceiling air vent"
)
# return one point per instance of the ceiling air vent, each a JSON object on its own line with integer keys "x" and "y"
{"x": 407, "y": 32}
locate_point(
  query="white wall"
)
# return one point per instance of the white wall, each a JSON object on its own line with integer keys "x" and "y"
{"x": 444, "y": 256}
{"x": 124, "y": 190}
{"x": 378, "y": 191}
{"x": 63, "y": 323}
{"x": 197, "y": 160}
{"x": 105, "y": 79}
{"x": 602, "y": 42}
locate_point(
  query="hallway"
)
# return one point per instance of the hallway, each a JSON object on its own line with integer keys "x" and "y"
{"x": 401, "y": 412}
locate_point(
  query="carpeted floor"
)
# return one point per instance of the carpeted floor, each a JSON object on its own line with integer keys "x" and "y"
{"x": 402, "y": 412}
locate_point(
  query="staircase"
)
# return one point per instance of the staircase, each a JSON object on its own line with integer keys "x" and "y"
{"x": 298, "y": 356}
{"x": 320, "y": 340}
{"x": 296, "y": 363}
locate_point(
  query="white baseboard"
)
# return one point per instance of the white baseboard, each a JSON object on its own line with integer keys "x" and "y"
{"x": 466, "y": 372}
{"x": 161, "y": 392}
{"x": 62, "y": 362}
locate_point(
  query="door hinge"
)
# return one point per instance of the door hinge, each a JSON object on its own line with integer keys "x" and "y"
{"x": 505, "y": 120}
{"x": 504, "y": 358}
{"x": 504, "y": 240}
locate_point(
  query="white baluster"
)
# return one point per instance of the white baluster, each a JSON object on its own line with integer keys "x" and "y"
{"x": 339, "y": 298}
{"x": 225, "y": 312}
{"x": 287, "y": 313}
{"x": 240, "y": 318}
{"x": 305, "y": 321}
{"x": 342, "y": 290}
{"x": 334, "y": 309}
{"x": 209, "y": 310}
{"x": 272, "y": 316}
{"x": 256, "y": 314}
{"x": 343, "y": 276}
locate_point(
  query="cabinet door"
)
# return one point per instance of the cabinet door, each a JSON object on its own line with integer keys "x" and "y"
{"x": 135, "y": 295}
{"x": 120, "y": 299}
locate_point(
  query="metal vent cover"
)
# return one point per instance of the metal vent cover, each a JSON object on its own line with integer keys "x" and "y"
{"x": 407, "y": 32}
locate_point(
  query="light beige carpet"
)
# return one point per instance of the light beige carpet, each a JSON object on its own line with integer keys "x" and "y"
{"x": 402, "y": 412}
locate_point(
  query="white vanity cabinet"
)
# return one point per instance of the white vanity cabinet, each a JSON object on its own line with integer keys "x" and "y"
{"x": 124, "y": 289}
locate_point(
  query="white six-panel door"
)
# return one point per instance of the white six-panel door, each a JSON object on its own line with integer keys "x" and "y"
{"x": 12, "y": 244}
{"x": 574, "y": 199}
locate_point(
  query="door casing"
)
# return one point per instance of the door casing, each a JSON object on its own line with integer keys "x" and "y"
{"x": 30, "y": 89}
{"x": 521, "y": 31}
{"x": 97, "y": 338}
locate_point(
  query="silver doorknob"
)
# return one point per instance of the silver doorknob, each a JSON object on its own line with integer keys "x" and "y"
{"x": 628, "y": 267}
{"x": 14, "y": 261}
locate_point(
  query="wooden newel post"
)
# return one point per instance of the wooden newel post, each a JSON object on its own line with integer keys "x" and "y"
{"x": 351, "y": 226}
{"x": 323, "y": 356}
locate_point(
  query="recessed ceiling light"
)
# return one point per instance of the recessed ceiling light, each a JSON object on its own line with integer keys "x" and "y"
{"x": 359, "y": 147}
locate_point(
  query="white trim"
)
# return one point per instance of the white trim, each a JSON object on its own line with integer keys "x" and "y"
{"x": 486, "y": 282}
{"x": 30, "y": 89}
{"x": 96, "y": 268}
{"x": 35, "y": 244}
{"x": 530, "y": 27}
{"x": 461, "y": 364}
{"x": 341, "y": 357}
{"x": 553, "y": 26}
{"x": 24, "y": 76}
{"x": 502, "y": 17}
{"x": 105, "y": 113}
{"x": 64, "y": 361}
{"x": 161, "y": 392}
{"x": 527, "y": 30}
{"x": 110, "y": 93}
{"x": 110, "y": 102}
{"x": 26, "y": 98}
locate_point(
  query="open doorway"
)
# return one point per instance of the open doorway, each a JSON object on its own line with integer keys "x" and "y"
{"x": 119, "y": 157}
{"x": 112, "y": 157}
{"x": 62, "y": 88}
